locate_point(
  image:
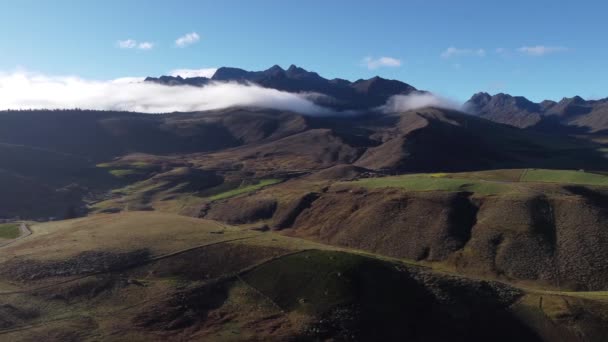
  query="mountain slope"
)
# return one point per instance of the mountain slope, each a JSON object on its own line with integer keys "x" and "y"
{"x": 63, "y": 148}
{"x": 430, "y": 140}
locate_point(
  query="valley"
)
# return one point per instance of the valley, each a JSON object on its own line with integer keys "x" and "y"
{"x": 257, "y": 224}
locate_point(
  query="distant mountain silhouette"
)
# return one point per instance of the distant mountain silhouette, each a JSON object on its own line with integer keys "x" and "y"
{"x": 339, "y": 93}
{"x": 570, "y": 114}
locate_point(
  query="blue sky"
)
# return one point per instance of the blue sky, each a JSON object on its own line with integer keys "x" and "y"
{"x": 539, "y": 49}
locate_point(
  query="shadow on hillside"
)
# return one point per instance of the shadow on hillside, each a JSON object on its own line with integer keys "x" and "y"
{"x": 595, "y": 198}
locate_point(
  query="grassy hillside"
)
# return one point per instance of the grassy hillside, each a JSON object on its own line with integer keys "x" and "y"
{"x": 435, "y": 182}
{"x": 476, "y": 181}
{"x": 97, "y": 152}
{"x": 564, "y": 176}
{"x": 487, "y": 223}
{"x": 244, "y": 189}
{"x": 158, "y": 232}
{"x": 152, "y": 276}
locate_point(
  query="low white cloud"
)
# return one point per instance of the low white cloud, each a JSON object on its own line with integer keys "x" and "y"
{"x": 186, "y": 73}
{"x": 541, "y": 50}
{"x": 187, "y": 39}
{"x": 402, "y": 103}
{"x": 133, "y": 44}
{"x": 375, "y": 63}
{"x": 123, "y": 80}
{"x": 456, "y": 52}
{"x": 22, "y": 90}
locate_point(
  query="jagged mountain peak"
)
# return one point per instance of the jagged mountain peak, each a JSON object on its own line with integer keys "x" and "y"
{"x": 501, "y": 100}
{"x": 340, "y": 94}
{"x": 576, "y": 100}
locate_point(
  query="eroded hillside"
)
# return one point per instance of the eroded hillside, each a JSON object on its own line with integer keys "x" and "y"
{"x": 265, "y": 225}
{"x": 153, "y": 276}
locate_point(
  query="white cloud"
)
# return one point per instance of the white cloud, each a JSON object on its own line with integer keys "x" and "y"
{"x": 187, "y": 39}
{"x": 145, "y": 45}
{"x": 186, "y": 73}
{"x": 541, "y": 50}
{"x": 402, "y": 103}
{"x": 375, "y": 63}
{"x": 456, "y": 52}
{"x": 127, "y": 44}
{"x": 22, "y": 90}
{"x": 123, "y": 80}
{"x": 133, "y": 44}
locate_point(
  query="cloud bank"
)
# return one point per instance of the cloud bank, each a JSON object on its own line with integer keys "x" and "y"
{"x": 187, "y": 73}
{"x": 187, "y": 39}
{"x": 375, "y": 63}
{"x": 22, "y": 90}
{"x": 402, "y": 103}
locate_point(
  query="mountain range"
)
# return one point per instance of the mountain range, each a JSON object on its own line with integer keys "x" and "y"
{"x": 569, "y": 115}
{"x": 338, "y": 93}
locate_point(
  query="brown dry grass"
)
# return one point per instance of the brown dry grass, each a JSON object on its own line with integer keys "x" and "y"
{"x": 128, "y": 231}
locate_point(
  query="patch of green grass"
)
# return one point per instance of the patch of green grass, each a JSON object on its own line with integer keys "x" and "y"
{"x": 439, "y": 175}
{"x": 316, "y": 282}
{"x": 564, "y": 176}
{"x": 121, "y": 173}
{"x": 141, "y": 165}
{"x": 422, "y": 182}
{"x": 134, "y": 165}
{"x": 311, "y": 281}
{"x": 9, "y": 231}
{"x": 593, "y": 295}
{"x": 500, "y": 175}
{"x": 244, "y": 189}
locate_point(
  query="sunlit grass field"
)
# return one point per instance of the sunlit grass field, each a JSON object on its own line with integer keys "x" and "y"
{"x": 564, "y": 176}
{"x": 9, "y": 231}
{"x": 244, "y": 189}
{"x": 489, "y": 182}
{"x": 431, "y": 182}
